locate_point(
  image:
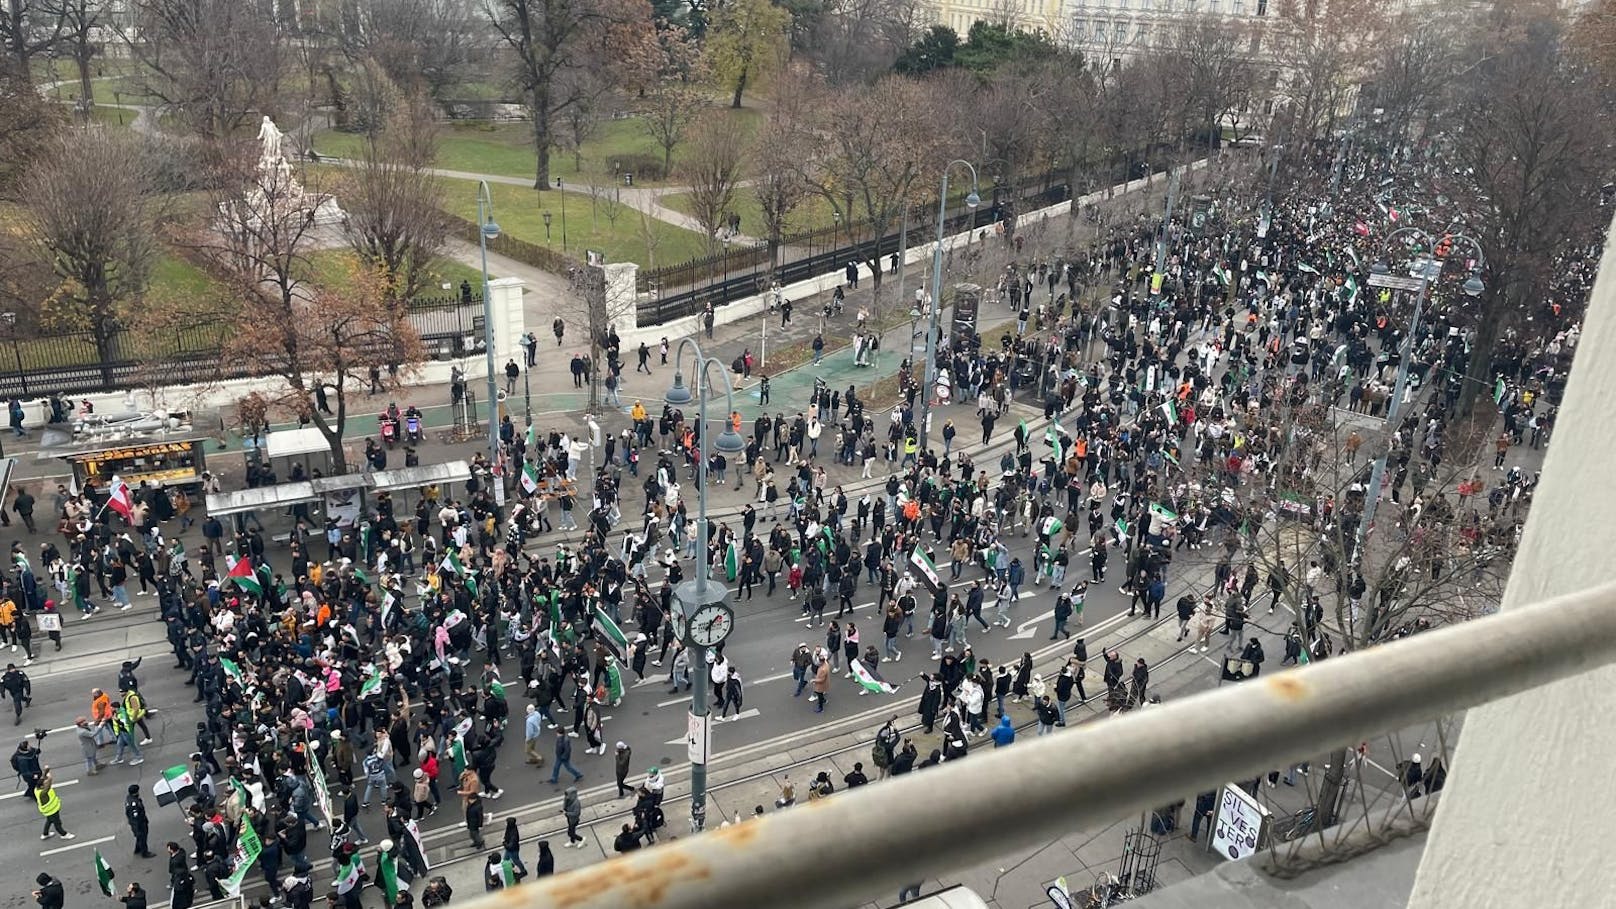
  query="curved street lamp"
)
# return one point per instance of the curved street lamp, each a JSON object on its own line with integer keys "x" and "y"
{"x": 692, "y": 596}
{"x": 928, "y": 376}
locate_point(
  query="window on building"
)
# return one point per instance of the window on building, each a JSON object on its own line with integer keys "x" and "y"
{"x": 1143, "y": 35}
{"x": 1080, "y": 29}
{"x": 1144, "y": 4}
{"x": 1262, "y": 7}
{"x": 1119, "y": 32}
{"x": 1239, "y": 7}
{"x": 1214, "y": 7}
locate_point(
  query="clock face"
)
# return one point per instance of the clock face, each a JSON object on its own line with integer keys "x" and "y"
{"x": 678, "y": 623}
{"x": 711, "y": 624}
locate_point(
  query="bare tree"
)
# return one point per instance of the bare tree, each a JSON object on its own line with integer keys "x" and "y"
{"x": 27, "y": 28}
{"x": 852, "y": 41}
{"x": 872, "y": 147}
{"x": 394, "y": 202}
{"x": 777, "y": 178}
{"x": 82, "y": 22}
{"x": 1321, "y": 48}
{"x": 92, "y": 204}
{"x": 1414, "y": 74}
{"x": 28, "y": 123}
{"x": 1535, "y": 123}
{"x": 427, "y": 45}
{"x": 549, "y": 40}
{"x": 215, "y": 64}
{"x": 676, "y": 95}
{"x": 302, "y": 336}
{"x": 1207, "y": 64}
{"x": 712, "y": 168}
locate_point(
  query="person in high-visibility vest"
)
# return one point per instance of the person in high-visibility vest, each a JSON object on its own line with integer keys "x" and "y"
{"x": 50, "y": 805}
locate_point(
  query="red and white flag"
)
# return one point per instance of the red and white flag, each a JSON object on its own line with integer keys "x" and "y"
{"x": 119, "y": 499}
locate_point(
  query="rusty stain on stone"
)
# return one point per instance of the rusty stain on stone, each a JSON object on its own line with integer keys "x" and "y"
{"x": 1287, "y": 686}
{"x": 638, "y": 883}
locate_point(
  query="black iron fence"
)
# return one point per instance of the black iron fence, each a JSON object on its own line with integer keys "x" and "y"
{"x": 739, "y": 273}
{"x": 74, "y": 363}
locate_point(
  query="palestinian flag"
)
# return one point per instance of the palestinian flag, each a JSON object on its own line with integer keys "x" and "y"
{"x": 868, "y": 680}
{"x": 242, "y": 575}
{"x": 927, "y": 570}
{"x": 607, "y": 630}
{"x": 349, "y": 876}
{"x": 1169, "y": 409}
{"x": 387, "y": 874}
{"x": 373, "y": 685}
{"x": 732, "y": 560}
{"x": 103, "y": 874}
{"x": 530, "y": 478}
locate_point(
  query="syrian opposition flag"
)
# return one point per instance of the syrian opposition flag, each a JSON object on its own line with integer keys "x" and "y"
{"x": 530, "y": 479}
{"x": 1163, "y": 512}
{"x": 614, "y": 682}
{"x": 457, "y": 755}
{"x": 732, "y": 560}
{"x": 232, "y": 670}
{"x": 1169, "y": 410}
{"x": 607, "y": 629}
{"x": 120, "y": 499}
{"x": 373, "y": 685}
{"x": 451, "y": 564}
{"x": 532, "y": 436}
{"x": 414, "y": 849}
{"x": 175, "y": 784}
{"x": 361, "y": 575}
{"x": 1053, "y": 437}
{"x": 868, "y": 680}
{"x": 507, "y": 873}
{"x": 1498, "y": 391}
{"x": 350, "y": 874}
{"x": 389, "y": 602}
{"x": 242, "y": 575}
{"x": 927, "y": 569}
{"x": 103, "y": 874}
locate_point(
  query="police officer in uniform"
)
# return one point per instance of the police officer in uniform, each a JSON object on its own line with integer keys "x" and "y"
{"x": 134, "y": 810}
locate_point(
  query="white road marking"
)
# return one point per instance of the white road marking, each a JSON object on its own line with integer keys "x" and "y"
{"x": 744, "y": 714}
{"x": 104, "y": 839}
{"x": 13, "y": 795}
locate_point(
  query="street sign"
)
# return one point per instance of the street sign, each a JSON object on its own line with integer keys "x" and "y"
{"x": 1238, "y": 830}
{"x": 1396, "y": 282}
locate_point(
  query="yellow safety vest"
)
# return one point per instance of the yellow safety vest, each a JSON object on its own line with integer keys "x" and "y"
{"x": 133, "y": 706}
{"x": 48, "y": 803}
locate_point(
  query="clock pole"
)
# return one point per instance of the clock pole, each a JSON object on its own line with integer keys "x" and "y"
{"x": 692, "y": 596}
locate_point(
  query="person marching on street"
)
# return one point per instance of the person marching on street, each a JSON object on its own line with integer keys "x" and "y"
{"x": 50, "y": 806}
{"x": 16, "y": 685}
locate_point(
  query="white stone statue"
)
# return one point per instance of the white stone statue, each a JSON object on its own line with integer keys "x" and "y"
{"x": 269, "y": 139}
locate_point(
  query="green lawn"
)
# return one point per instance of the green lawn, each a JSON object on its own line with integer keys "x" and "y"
{"x": 813, "y": 213}
{"x": 174, "y": 276}
{"x": 112, "y": 116}
{"x": 519, "y": 212}
{"x": 506, "y": 149}
{"x": 333, "y": 269}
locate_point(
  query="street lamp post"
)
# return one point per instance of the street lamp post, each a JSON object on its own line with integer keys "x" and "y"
{"x": 488, "y": 230}
{"x": 1430, "y": 269}
{"x": 935, "y": 305}
{"x": 563, "y": 194}
{"x": 546, "y": 214}
{"x": 700, "y": 609}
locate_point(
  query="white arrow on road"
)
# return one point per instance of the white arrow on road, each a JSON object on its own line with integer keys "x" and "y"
{"x": 744, "y": 714}
{"x": 1030, "y": 627}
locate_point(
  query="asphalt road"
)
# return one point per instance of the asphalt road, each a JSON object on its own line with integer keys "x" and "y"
{"x": 649, "y": 719}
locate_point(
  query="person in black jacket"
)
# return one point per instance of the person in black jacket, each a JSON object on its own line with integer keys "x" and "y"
{"x": 134, "y": 897}
{"x": 49, "y": 895}
{"x": 180, "y": 880}
{"x": 627, "y": 841}
{"x": 17, "y": 686}
{"x": 134, "y": 811}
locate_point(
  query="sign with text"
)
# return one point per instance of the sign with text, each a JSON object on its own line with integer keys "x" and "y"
{"x": 1239, "y": 828}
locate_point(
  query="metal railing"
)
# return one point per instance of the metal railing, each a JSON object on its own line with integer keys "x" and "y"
{"x": 876, "y": 839}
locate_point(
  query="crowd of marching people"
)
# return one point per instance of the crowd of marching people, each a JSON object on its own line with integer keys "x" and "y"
{"x": 356, "y": 674}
